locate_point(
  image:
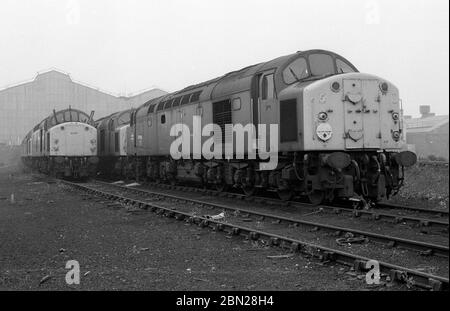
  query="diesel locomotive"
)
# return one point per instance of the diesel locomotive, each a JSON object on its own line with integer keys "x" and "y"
{"x": 340, "y": 133}
{"x": 63, "y": 145}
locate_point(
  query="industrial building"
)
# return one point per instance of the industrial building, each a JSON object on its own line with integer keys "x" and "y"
{"x": 428, "y": 134}
{"x": 24, "y": 105}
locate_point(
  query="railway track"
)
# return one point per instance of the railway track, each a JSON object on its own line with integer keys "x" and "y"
{"x": 435, "y": 221}
{"x": 422, "y": 247}
{"x": 414, "y": 277}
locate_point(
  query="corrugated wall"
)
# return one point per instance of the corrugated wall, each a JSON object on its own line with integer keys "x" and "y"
{"x": 23, "y": 106}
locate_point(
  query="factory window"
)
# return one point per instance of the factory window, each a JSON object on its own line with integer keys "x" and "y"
{"x": 195, "y": 96}
{"x": 267, "y": 87}
{"x": 185, "y": 99}
{"x": 163, "y": 119}
{"x": 176, "y": 102}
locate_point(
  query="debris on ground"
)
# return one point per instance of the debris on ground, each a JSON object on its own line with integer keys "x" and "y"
{"x": 45, "y": 279}
{"x": 280, "y": 256}
{"x": 216, "y": 217}
{"x": 135, "y": 184}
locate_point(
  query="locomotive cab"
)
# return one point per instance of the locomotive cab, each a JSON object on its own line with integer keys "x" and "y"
{"x": 347, "y": 115}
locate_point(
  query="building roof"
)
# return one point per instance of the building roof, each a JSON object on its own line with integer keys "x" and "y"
{"x": 62, "y": 74}
{"x": 427, "y": 124}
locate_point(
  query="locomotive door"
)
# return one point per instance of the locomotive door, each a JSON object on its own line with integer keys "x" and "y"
{"x": 268, "y": 108}
{"x": 353, "y": 112}
{"x": 264, "y": 104}
{"x": 371, "y": 114}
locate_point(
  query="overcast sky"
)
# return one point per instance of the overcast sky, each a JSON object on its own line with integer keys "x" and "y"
{"x": 127, "y": 46}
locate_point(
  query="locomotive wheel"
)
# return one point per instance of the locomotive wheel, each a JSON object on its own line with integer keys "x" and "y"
{"x": 249, "y": 190}
{"x": 285, "y": 194}
{"x": 221, "y": 187}
{"x": 316, "y": 197}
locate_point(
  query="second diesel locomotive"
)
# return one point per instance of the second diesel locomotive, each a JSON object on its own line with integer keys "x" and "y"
{"x": 63, "y": 145}
{"x": 340, "y": 132}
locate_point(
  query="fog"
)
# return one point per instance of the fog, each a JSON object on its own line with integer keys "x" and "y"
{"x": 126, "y": 46}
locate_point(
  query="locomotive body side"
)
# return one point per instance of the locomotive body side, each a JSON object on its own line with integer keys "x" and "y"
{"x": 340, "y": 132}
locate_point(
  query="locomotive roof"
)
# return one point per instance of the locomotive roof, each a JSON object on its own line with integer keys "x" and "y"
{"x": 103, "y": 122}
{"x": 65, "y": 110}
{"x": 235, "y": 81}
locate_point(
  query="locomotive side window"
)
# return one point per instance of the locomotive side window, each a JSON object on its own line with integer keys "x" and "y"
{"x": 163, "y": 119}
{"x": 176, "y": 102}
{"x": 151, "y": 109}
{"x": 343, "y": 67}
{"x": 185, "y": 99}
{"x": 161, "y": 106}
{"x": 267, "y": 87}
{"x": 195, "y": 96}
{"x": 321, "y": 64}
{"x": 236, "y": 104}
{"x": 296, "y": 71}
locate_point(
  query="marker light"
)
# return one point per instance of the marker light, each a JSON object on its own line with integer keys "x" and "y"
{"x": 396, "y": 135}
{"x": 322, "y": 116}
{"x": 335, "y": 86}
{"x": 395, "y": 116}
{"x": 384, "y": 87}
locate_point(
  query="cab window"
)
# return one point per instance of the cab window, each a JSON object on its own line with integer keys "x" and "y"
{"x": 67, "y": 116}
{"x": 343, "y": 67}
{"x": 321, "y": 64}
{"x": 295, "y": 71}
{"x": 74, "y": 115}
{"x": 267, "y": 87}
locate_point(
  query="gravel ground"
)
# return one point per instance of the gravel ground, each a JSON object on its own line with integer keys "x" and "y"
{"x": 45, "y": 227}
{"x": 426, "y": 185}
{"x": 411, "y": 259}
